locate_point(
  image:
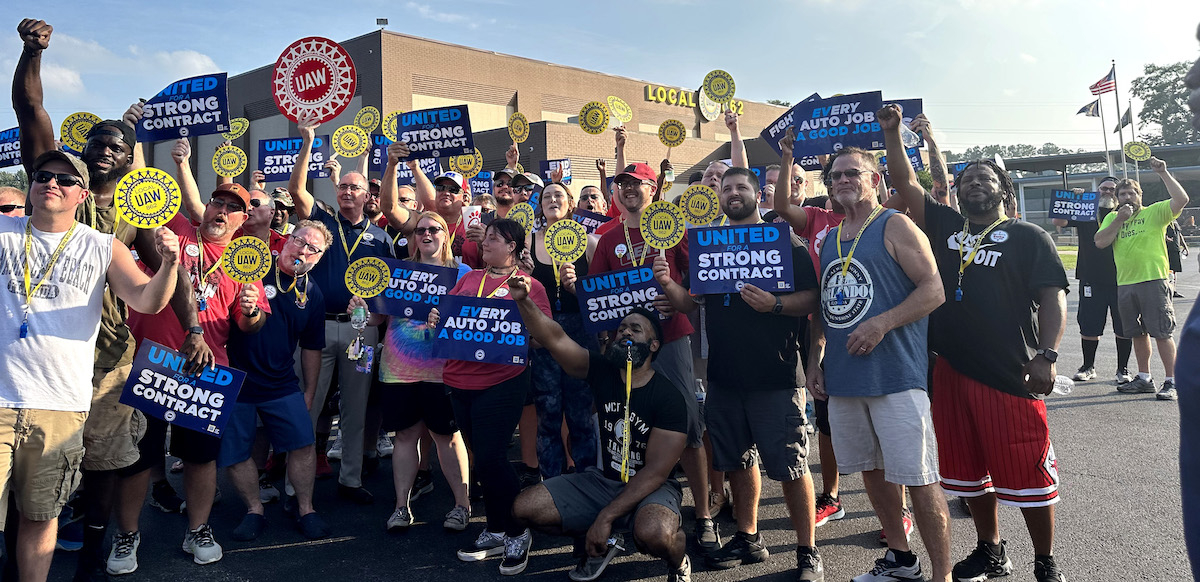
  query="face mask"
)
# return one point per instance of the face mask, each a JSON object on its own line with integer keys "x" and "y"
{"x": 621, "y": 350}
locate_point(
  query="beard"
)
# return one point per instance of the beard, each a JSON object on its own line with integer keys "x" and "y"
{"x": 742, "y": 212}
{"x": 619, "y": 351}
{"x": 986, "y": 205}
{"x": 99, "y": 179}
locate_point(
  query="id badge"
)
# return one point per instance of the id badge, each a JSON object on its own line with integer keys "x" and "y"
{"x": 363, "y": 364}
{"x": 1087, "y": 290}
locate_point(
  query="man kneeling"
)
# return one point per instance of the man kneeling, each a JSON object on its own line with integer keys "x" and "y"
{"x": 643, "y": 431}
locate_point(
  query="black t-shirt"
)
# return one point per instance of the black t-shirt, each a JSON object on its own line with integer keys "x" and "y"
{"x": 399, "y": 243}
{"x": 1094, "y": 266}
{"x": 993, "y": 331}
{"x": 750, "y": 350}
{"x": 658, "y": 404}
{"x": 560, "y": 301}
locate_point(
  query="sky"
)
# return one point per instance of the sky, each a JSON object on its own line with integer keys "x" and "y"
{"x": 990, "y": 72}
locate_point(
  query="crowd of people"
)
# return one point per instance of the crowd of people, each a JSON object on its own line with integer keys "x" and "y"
{"x": 926, "y": 333}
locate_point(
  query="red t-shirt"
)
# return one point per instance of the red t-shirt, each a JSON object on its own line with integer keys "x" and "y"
{"x": 479, "y": 376}
{"x": 607, "y": 259}
{"x": 222, "y": 293}
{"x": 820, "y": 222}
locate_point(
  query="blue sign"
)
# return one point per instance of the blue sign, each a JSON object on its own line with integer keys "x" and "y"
{"x": 956, "y": 168}
{"x": 186, "y": 108}
{"x": 158, "y": 387}
{"x": 437, "y": 133}
{"x": 909, "y": 108}
{"x": 914, "y": 158}
{"x": 724, "y": 258}
{"x": 413, "y": 289}
{"x": 606, "y": 299}
{"x": 404, "y": 176}
{"x": 828, "y": 125}
{"x": 590, "y": 220}
{"x": 10, "y": 147}
{"x": 277, "y": 157}
{"x": 778, "y": 128}
{"x": 548, "y": 167}
{"x": 1071, "y": 206}
{"x": 477, "y": 329}
{"x": 480, "y": 186}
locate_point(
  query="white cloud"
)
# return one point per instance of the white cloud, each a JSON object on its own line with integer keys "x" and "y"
{"x": 59, "y": 80}
{"x": 1028, "y": 58}
{"x": 429, "y": 13}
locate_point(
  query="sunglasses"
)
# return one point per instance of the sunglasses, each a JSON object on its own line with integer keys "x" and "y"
{"x": 65, "y": 180}
{"x": 256, "y": 202}
{"x": 225, "y": 205}
{"x": 500, "y": 183}
{"x": 432, "y": 230}
{"x": 6, "y": 208}
{"x": 852, "y": 173}
{"x": 526, "y": 188}
{"x": 451, "y": 188}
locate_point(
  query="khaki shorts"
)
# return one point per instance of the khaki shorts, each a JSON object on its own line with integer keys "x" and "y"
{"x": 1146, "y": 308}
{"x": 113, "y": 430}
{"x": 40, "y": 451}
{"x": 893, "y": 432}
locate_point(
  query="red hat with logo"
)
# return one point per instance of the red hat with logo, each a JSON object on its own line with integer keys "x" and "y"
{"x": 455, "y": 178}
{"x": 236, "y": 190}
{"x": 640, "y": 171}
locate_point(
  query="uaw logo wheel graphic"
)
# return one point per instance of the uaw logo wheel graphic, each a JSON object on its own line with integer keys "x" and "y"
{"x": 149, "y": 198}
{"x": 700, "y": 204}
{"x": 350, "y": 141}
{"x": 620, "y": 109}
{"x": 367, "y": 118}
{"x": 672, "y": 133}
{"x": 719, "y": 86}
{"x": 845, "y": 299}
{"x": 247, "y": 259}
{"x": 567, "y": 241}
{"x": 593, "y": 117}
{"x": 479, "y": 354}
{"x": 74, "y": 129}
{"x": 314, "y": 76}
{"x": 237, "y": 128}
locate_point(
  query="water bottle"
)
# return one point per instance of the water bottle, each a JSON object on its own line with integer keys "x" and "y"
{"x": 701, "y": 394}
{"x": 669, "y": 176}
{"x": 358, "y": 318}
{"x": 908, "y": 136}
{"x": 1063, "y": 385}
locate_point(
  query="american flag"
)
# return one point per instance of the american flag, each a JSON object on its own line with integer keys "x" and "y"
{"x": 1107, "y": 84}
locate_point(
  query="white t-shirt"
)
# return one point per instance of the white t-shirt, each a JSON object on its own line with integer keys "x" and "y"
{"x": 51, "y": 369}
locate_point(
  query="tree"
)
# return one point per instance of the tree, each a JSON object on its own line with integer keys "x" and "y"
{"x": 15, "y": 179}
{"x": 1164, "y": 104}
{"x": 925, "y": 178}
{"x": 779, "y": 103}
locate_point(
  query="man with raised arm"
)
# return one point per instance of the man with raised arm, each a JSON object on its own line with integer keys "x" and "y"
{"x": 937, "y": 165}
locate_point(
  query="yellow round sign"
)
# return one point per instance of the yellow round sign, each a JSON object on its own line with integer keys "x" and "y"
{"x": 75, "y": 128}
{"x": 667, "y": 186}
{"x": 672, "y": 133}
{"x": 523, "y": 214}
{"x": 350, "y": 141}
{"x": 710, "y": 109}
{"x": 662, "y": 225}
{"x": 367, "y": 118}
{"x": 147, "y": 198}
{"x": 593, "y": 117}
{"x": 566, "y": 241}
{"x": 247, "y": 259}
{"x": 518, "y": 127}
{"x": 237, "y": 128}
{"x": 520, "y": 169}
{"x": 467, "y": 165}
{"x": 620, "y": 109}
{"x": 390, "y": 123}
{"x": 1138, "y": 151}
{"x": 700, "y": 204}
{"x": 367, "y": 277}
{"x": 229, "y": 161}
{"x": 719, "y": 86}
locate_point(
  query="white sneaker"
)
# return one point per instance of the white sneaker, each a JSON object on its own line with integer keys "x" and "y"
{"x": 400, "y": 519}
{"x": 384, "y": 446}
{"x": 267, "y": 493}
{"x": 335, "y": 450}
{"x": 122, "y": 559}
{"x": 887, "y": 570}
{"x": 202, "y": 546}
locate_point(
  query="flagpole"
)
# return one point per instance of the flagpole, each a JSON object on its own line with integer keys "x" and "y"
{"x": 1120, "y": 134}
{"x": 1104, "y": 132}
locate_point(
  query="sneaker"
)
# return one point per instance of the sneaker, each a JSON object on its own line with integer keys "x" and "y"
{"x": 421, "y": 485}
{"x": 516, "y": 554}
{"x": 267, "y": 493}
{"x": 809, "y": 567}
{"x": 164, "y": 498}
{"x": 400, "y": 520}
{"x": 1123, "y": 377}
{"x": 718, "y": 502}
{"x": 1138, "y": 385}
{"x": 312, "y": 526}
{"x": 887, "y": 569}
{"x": 458, "y": 518}
{"x": 1045, "y": 570}
{"x": 590, "y": 568}
{"x": 742, "y": 548}
{"x": 529, "y": 476}
{"x": 1084, "y": 374}
{"x": 384, "y": 446}
{"x": 324, "y": 471}
{"x": 983, "y": 563}
{"x": 335, "y": 450}
{"x": 707, "y": 536}
{"x": 201, "y": 545}
{"x": 487, "y": 545}
{"x": 251, "y": 527}
{"x": 122, "y": 558}
{"x": 908, "y": 528}
{"x": 70, "y": 536}
{"x": 356, "y": 495}
{"x": 829, "y": 508}
{"x": 1167, "y": 391}
{"x": 683, "y": 573}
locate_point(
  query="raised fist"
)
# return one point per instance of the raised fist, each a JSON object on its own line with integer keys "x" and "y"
{"x": 35, "y": 34}
{"x": 889, "y": 117}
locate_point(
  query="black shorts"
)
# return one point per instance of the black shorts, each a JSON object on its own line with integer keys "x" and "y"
{"x": 1096, "y": 303}
{"x": 821, "y": 411}
{"x": 404, "y": 405}
{"x": 188, "y": 445}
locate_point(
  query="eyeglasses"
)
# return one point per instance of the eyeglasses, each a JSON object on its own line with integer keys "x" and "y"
{"x": 256, "y": 202}
{"x": 432, "y": 230}
{"x": 451, "y": 188}
{"x": 500, "y": 183}
{"x": 65, "y": 180}
{"x": 226, "y": 205}
{"x": 6, "y": 208}
{"x": 852, "y": 173}
{"x": 404, "y": 201}
{"x": 630, "y": 183}
{"x": 302, "y": 244}
{"x": 526, "y": 188}
{"x": 355, "y": 188}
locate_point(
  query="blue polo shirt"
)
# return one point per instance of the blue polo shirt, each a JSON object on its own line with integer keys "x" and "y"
{"x": 330, "y": 272}
{"x": 268, "y": 357}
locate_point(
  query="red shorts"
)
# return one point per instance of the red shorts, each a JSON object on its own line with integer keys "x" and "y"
{"x": 992, "y": 442}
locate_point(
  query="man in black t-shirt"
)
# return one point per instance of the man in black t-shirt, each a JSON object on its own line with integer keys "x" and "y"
{"x": 643, "y": 431}
{"x": 1097, "y": 276}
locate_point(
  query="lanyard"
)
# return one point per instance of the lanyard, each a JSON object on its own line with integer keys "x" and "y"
{"x": 502, "y": 284}
{"x": 970, "y": 258}
{"x": 454, "y": 231}
{"x": 30, "y": 292}
{"x": 838, "y": 240}
{"x": 342, "y": 234}
{"x": 629, "y": 243}
{"x": 627, "y": 436}
{"x": 301, "y": 293}
{"x": 201, "y": 274}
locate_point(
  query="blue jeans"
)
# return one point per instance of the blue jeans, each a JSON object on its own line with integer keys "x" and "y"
{"x": 557, "y": 395}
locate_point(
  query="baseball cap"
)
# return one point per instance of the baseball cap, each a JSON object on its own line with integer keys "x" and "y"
{"x": 235, "y": 190}
{"x": 375, "y": 182}
{"x": 529, "y": 177}
{"x": 455, "y": 178}
{"x": 115, "y": 128}
{"x": 282, "y": 197}
{"x": 76, "y": 163}
{"x": 639, "y": 171}
{"x": 511, "y": 173}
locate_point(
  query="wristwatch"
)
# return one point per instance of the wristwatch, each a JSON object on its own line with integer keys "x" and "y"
{"x": 253, "y": 313}
{"x": 778, "y": 306}
{"x": 1049, "y": 354}
{"x": 196, "y": 330}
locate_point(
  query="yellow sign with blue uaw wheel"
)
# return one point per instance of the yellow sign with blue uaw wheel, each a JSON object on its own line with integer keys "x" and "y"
{"x": 1138, "y": 151}
{"x": 700, "y": 204}
{"x": 147, "y": 198}
{"x": 367, "y": 277}
{"x": 367, "y": 118}
{"x": 237, "y": 128}
{"x": 620, "y": 109}
{"x": 523, "y": 214}
{"x": 229, "y": 161}
{"x": 247, "y": 259}
{"x": 593, "y": 117}
{"x": 662, "y": 225}
{"x": 672, "y": 133}
{"x": 350, "y": 141}
{"x": 74, "y": 129}
{"x": 518, "y": 127}
{"x": 389, "y": 124}
{"x": 467, "y": 165}
{"x": 719, "y": 86}
{"x": 566, "y": 241}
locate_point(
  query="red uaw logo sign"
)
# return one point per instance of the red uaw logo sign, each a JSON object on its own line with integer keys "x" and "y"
{"x": 314, "y": 76}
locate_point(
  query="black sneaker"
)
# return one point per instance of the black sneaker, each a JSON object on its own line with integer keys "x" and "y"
{"x": 356, "y": 495}
{"x": 1167, "y": 391}
{"x": 1139, "y": 385}
{"x": 516, "y": 554}
{"x": 983, "y": 563}
{"x": 487, "y": 545}
{"x": 742, "y": 548}
{"x": 421, "y": 485}
{"x": 1045, "y": 570}
{"x": 529, "y": 476}
{"x": 707, "y": 536}
{"x": 808, "y": 565}
{"x": 164, "y": 498}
